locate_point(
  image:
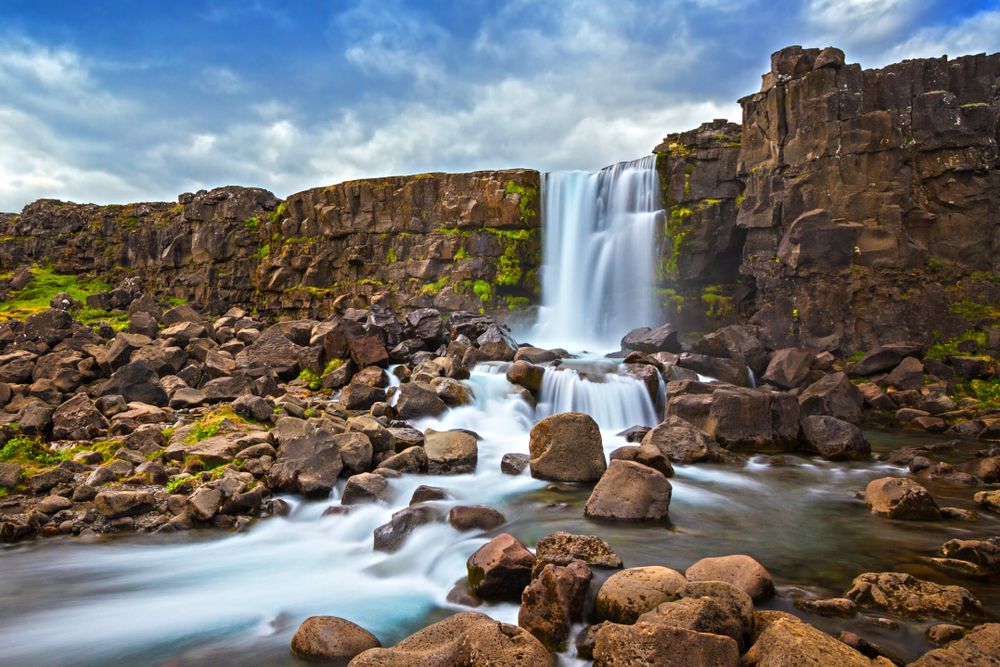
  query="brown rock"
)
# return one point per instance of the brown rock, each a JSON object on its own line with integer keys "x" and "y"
{"x": 788, "y": 642}
{"x": 654, "y": 645}
{"x": 500, "y": 569}
{"x": 629, "y": 594}
{"x": 979, "y": 648}
{"x": 897, "y": 498}
{"x": 553, "y": 602}
{"x": 567, "y": 448}
{"x": 630, "y": 491}
{"x": 741, "y": 571}
{"x": 907, "y": 596}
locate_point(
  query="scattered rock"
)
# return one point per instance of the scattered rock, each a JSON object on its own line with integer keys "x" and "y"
{"x": 741, "y": 571}
{"x": 331, "y": 639}
{"x": 567, "y": 447}
{"x": 500, "y": 569}
{"x": 898, "y": 498}
{"x": 630, "y": 491}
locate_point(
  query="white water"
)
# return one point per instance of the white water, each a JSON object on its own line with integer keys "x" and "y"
{"x": 598, "y": 255}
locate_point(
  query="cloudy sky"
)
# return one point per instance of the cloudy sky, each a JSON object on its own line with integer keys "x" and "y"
{"x": 123, "y": 101}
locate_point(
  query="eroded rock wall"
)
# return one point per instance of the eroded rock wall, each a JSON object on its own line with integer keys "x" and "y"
{"x": 453, "y": 241}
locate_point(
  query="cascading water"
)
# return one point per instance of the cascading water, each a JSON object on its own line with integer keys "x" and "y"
{"x": 598, "y": 254}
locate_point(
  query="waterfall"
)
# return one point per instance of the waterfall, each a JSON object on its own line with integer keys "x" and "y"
{"x": 615, "y": 401}
{"x": 599, "y": 253}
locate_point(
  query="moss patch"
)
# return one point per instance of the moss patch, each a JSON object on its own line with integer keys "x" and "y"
{"x": 35, "y": 297}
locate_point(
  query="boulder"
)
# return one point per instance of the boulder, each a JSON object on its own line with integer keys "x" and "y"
{"x": 77, "y": 419}
{"x": 651, "y": 341}
{"x": 562, "y": 548}
{"x": 467, "y": 639}
{"x": 475, "y": 517}
{"x": 981, "y": 558}
{"x": 526, "y": 374}
{"x": 886, "y": 357}
{"x": 535, "y": 355}
{"x": 707, "y": 606}
{"x": 500, "y": 569}
{"x": 355, "y": 452}
{"x": 382, "y": 439}
{"x": 273, "y": 350}
{"x": 10, "y": 475}
{"x": 629, "y": 594}
{"x": 648, "y": 455}
{"x": 418, "y": 399}
{"x": 137, "y": 381}
{"x": 358, "y": 396}
{"x": 654, "y": 645}
{"x": 834, "y": 439}
{"x": 309, "y": 464}
{"x": 788, "y": 642}
{"x": 989, "y": 499}
{"x": 389, "y": 537}
{"x": 514, "y": 464}
{"x": 450, "y": 452}
{"x": 331, "y": 639}
{"x": 788, "y": 368}
{"x": 630, "y": 491}
{"x": 553, "y": 601}
{"x": 834, "y": 395}
{"x": 741, "y": 571}
{"x": 986, "y": 469}
{"x": 898, "y": 498}
{"x": 907, "y": 376}
{"x": 254, "y": 408}
{"x": 495, "y": 344}
{"x": 117, "y": 504}
{"x": 410, "y": 460}
{"x": 909, "y": 597}
{"x": 567, "y": 448}
{"x": 204, "y": 503}
{"x": 366, "y": 487}
{"x": 979, "y": 648}
{"x": 682, "y": 442}
{"x": 367, "y": 351}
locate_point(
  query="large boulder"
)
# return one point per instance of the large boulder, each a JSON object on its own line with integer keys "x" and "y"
{"x": 389, "y": 537}
{"x": 77, "y": 419}
{"x": 309, "y": 464}
{"x": 834, "y": 395}
{"x": 651, "y": 341}
{"x": 741, "y": 571}
{"x": 273, "y": 350}
{"x": 834, "y": 439}
{"x": 788, "y": 642}
{"x": 907, "y": 376}
{"x": 629, "y": 594}
{"x": 655, "y": 645}
{"x": 567, "y": 448}
{"x": 468, "y": 639}
{"x": 418, "y": 399}
{"x": 450, "y": 452}
{"x": 359, "y": 396}
{"x": 737, "y": 343}
{"x": 630, "y": 491}
{"x": 788, "y": 368}
{"x": 526, "y": 374}
{"x": 562, "y": 548}
{"x": 707, "y": 606}
{"x": 979, "y": 648}
{"x": 553, "y": 601}
{"x": 886, "y": 357}
{"x": 118, "y": 504}
{"x": 137, "y": 382}
{"x": 500, "y": 569}
{"x": 905, "y": 595}
{"x": 899, "y": 498}
{"x": 495, "y": 344}
{"x": 682, "y": 442}
{"x": 366, "y": 487}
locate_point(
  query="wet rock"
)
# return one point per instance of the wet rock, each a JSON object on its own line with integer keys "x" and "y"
{"x": 981, "y": 647}
{"x": 418, "y": 399}
{"x": 701, "y": 614}
{"x": 833, "y": 395}
{"x": 567, "y": 447}
{"x": 355, "y": 452}
{"x": 986, "y": 469}
{"x": 469, "y": 638}
{"x": 331, "y": 639}
{"x": 309, "y": 464}
{"x": 629, "y": 594}
{"x": 389, "y": 537}
{"x": 410, "y": 460}
{"x": 733, "y": 610}
{"x": 984, "y": 556}
{"x": 366, "y": 488}
{"x": 118, "y": 504}
{"x": 450, "y": 452}
{"x": 648, "y": 455}
{"x": 630, "y": 491}
{"x": 562, "y": 548}
{"x": 905, "y": 595}
{"x": 514, "y": 464}
{"x": 495, "y": 344}
{"x": 897, "y": 498}
{"x": 475, "y": 517}
{"x": 358, "y": 396}
{"x": 500, "y": 569}
{"x": 423, "y": 494}
{"x": 586, "y": 640}
{"x": 381, "y": 438}
{"x": 526, "y": 374}
{"x": 788, "y": 368}
{"x": 654, "y": 645}
{"x": 834, "y": 439}
{"x": 741, "y": 571}
{"x": 944, "y": 633}
{"x": 634, "y": 434}
{"x": 682, "y": 442}
{"x": 788, "y": 642}
{"x": 535, "y": 355}
{"x": 651, "y": 341}
{"x": 553, "y": 601}
{"x": 833, "y": 607}
{"x": 989, "y": 499}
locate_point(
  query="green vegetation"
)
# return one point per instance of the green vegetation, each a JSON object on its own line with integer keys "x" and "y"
{"x": 527, "y": 195}
{"x": 390, "y": 256}
{"x": 35, "y": 297}
{"x": 933, "y": 263}
{"x": 462, "y": 254}
{"x": 857, "y": 356}
{"x": 942, "y": 350}
{"x": 677, "y": 233}
{"x": 483, "y": 290}
{"x": 313, "y": 381}
{"x": 432, "y": 289}
{"x": 210, "y": 425}
{"x": 974, "y": 311}
{"x": 91, "y": 316}
{"x": 453, "y": 232}
{"x": 175, "y": 483}
{"x": 29, "y": 452}
{"x": 515, "y": 302}
{"x": 251, "y": 224}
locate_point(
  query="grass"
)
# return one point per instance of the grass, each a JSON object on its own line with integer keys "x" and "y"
{"x": 941, "y": 351}
{"x": 857, "y": 356}
{"x": 30, "y": 452}
{"x": 35, "y": 297}
{"x": 433, "y": 288}
{"x": 208, "y": 426}
{"x": 987, "y": 392}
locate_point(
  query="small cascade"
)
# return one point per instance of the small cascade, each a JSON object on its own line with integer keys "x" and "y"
{"x": 615, "y": 401}
{"x": 599, "y": 254}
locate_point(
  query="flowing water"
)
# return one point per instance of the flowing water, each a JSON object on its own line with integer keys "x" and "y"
{"x": 213, "y": 599}
{"x": 599, "y": 254}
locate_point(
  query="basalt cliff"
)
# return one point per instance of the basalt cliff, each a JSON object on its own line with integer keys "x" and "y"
{"x": 852, "y": 207}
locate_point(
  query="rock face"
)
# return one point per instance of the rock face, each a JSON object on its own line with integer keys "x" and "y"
{"x": 331, "y": 639}
{"x": 469, "y": 638}
{"x": 567, "y": 448}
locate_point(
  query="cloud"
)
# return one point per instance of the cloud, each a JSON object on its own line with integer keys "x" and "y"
{"x": 976, "y": 34}
{"x": 221, "y": 80}
{"x": 861, "y": 24}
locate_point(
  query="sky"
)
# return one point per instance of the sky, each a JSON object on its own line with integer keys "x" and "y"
{"x": 130, "y": 100}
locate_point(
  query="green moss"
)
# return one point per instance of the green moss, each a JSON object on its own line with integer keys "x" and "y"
{"x": 677, "y": 232}
{"x": 29, "y": 452}
{"x": 332, "y": 365}
{"x": 942, "y": 350}
{"x": 35, "y": 297}
{"x": 313, "y": 381}
{"x": 528, "y": 194}
{"x": 933, "y": 263}
{"x": 390, "y": 256}
{"x": 515, "y": 302}
{"x": 973, "y": 311}
{"x": 857, "y": 356}
{"x": 483, "y": 290}
{"x": 433, "y": 288}
{"x": 461, "y": 254}
{"x": 251, "y": 224}
{"x": 453, "y": 232}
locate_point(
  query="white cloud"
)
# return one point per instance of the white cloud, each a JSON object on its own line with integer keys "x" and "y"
{"x": 221, "y": 80}
{"x": 851, "y": 23}
{"x": 977, "y": 34}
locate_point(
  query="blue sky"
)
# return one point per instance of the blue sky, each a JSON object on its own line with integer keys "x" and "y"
{"x": 131, "y": 101}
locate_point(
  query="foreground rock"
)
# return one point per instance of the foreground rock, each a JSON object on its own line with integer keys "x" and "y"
{"x": 655, "y": 645}
{"x": 907, "y": 596}
{"x": 629, "y": 594}
{"x": 562, "y": 548}
{"x": 741, "y": 571}
{"x": 331, "y": 639}
{"x": 834, "y": 439}
{"x": 553, "y": 601}
{"x": 630, "y": 491}
{"x": 469, "y": 639}
{"x": 707, "y": 606}
{"x": 788, "y": 642}
{"x": 979, "y": 648}
{"x": 567, "y": 448}
{"x": 450, "y": 452}
{"x": 897, "y": 498}
{"x": 500, "y": 569}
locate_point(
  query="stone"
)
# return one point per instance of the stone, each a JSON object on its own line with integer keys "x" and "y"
{"x": 331, "y": 639}
{"x": 562, "y": 548}
{"x": 368, "y": 351}
{"x": 655, "y": 645}
{"x": 909, "y": 597}
{"x": 309, "y": 464}
{"x": 834, "y": 439}
{"x": 944, "y": 633}
{"x": 898, "y": 498}
{"x": 10, "y": 475}
{"x": 514, "y": 464}
{"x": 389, "y": 537}
{"x": 535, "y": 355}
{"x": 741, "y": 571}
{"x": 500, "y": 569}
{"x": 833, "y": 395}
{"x": 410, "y": 460}
{"x": 908, "y": 375}
{"x": 496, "y": 344}
{"x": 651, "y": 341}
{"x": 553, "y": 601}
{"x": 567, "y": 447}
{"x": 418, "y": 399}
{"x": 355, "y": 452}
{"x": 475, "y": 517}
{"x": 629, "y": 594}
{"x": 204, "y": 503}
{"x": 985, "y": 556}
{"x": 272, "y": 349}
{"x": 468, "y": 639}
{"x": 875, "y": 397}
{"x": 979, "y": 648}
{"x": 989, "y": 499}
{"x": 707, "y": 606}
{"x": 137, "y": 381}
{"x": 450, "y": 452}
{"x": 423, "y": 494}
{"x": 358, "y": 396}
{"x": 648, "y": 455}
{"x": 78, "y": 417}
{"x": 118, "y": 504}
{"x": 630, "y": 491}
{"x": 526, "y": 374}
{"x": 788, "y": 368}
{"x": 788, "y": 642}
{"x": 253, "y": 408}
{"x": 366, "y": 487}
{"x": 986, "y": 469}
{"x": 682, "y": 442}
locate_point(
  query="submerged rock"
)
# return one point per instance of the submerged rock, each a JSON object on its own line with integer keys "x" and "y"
{"x": 630, "y": 491}
{"x": 907, "y": 596}
{"x": 897, "y": 498}
{"x": 331, "y": 639}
